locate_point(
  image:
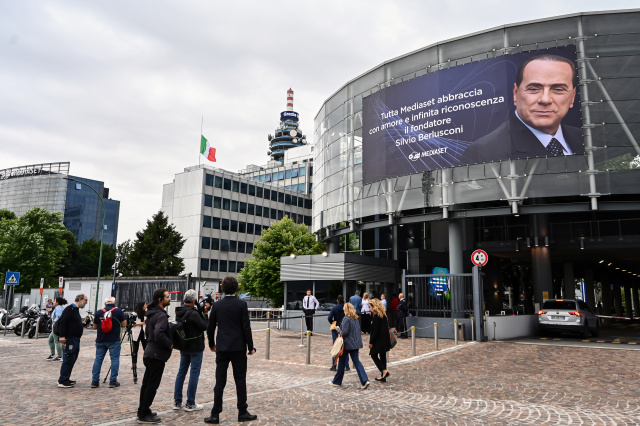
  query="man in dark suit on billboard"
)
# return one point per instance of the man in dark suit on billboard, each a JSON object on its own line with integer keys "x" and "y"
{"x": 231, "y": 317}
{"x": 544, "y": 91}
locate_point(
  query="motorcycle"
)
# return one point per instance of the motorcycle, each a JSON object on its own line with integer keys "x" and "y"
{"x": 29, "y": 316}
{"x": 87, "y": 322}
{"x": 44, "y": 322}
{"x": 9, "y": 321}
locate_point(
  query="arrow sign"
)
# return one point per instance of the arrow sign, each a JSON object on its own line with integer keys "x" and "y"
{"x": 12, "y": 278}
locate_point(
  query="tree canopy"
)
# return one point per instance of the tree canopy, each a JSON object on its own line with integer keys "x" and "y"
{"x": 156, "y": 248}
{"x": 261, "y": 274}
{"x": 35, "y": 244}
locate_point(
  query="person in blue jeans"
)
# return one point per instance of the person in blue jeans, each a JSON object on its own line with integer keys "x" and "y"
{"x": 70, "y": 328}
{"x": 109, "y": 341}
{"x": 336, "y": 315}
{"x": 192, "y": 348}
{"x": 350, "y": 332}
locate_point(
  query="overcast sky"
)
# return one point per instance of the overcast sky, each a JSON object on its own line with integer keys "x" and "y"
{"x": 119, "y": 88}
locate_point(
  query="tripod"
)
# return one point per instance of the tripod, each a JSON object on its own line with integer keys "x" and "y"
{"x": 134, "y": 357}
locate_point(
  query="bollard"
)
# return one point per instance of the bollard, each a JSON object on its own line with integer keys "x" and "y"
{"x": 24, "y": 325}
{"x": 268, "y": 349}
{"x": 473, "y": 329}
{"x": 308, "y": 347}
{"x": 435, "y": 334}
{"x": 37, "y": 327}
{"x": 301, "y": 345}
{"x": 413, "y": 340}
{"x": 268, "y": 321}
{"x": 455, "y": 332}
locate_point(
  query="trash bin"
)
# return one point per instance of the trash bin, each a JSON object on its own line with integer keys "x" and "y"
{"x": 461, "y": 332}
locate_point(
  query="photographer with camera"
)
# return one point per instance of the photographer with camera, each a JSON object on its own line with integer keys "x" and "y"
{"x": 137, "y": 330}
{"x": 108, "y": 322}
{"x": 194, "y": 319}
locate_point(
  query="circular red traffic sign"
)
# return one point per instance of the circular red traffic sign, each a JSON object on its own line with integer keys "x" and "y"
{"x": 479, "y": 257}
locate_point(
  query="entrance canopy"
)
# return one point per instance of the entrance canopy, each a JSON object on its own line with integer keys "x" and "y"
{"x": 338, "y": 266}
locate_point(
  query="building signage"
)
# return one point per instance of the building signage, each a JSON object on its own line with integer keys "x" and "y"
{"x": 288, "y": 114}
{"x": 20, "y": 172}
{"x": 474, "y": 113}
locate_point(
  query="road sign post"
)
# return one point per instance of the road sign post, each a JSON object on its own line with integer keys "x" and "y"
{"x": 11, "y": 279}
{"x": 41, "y": 287}
{"x": 60, "y": 283}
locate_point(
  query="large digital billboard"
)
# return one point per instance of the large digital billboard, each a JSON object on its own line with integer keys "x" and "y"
{"x": 523, "y": 105}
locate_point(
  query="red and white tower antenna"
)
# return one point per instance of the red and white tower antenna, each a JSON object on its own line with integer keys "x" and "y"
{"x": 289, "y": 100}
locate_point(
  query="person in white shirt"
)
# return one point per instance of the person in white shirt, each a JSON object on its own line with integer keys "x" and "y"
{"x": 309, "y": 306}
{"x": 365, "y": 318}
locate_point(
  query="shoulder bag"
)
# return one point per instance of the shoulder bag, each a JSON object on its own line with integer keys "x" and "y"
{"x": 337, "y": 349}
{"x": 393, "y": 335}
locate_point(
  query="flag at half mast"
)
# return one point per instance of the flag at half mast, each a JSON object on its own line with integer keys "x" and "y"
{"x": 206, "y": 149}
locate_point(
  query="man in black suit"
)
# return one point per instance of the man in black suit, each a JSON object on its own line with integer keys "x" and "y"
{"x": 401, "y": 316}
{"x": 543, "y": 93}
{"x": 231, "y": 316}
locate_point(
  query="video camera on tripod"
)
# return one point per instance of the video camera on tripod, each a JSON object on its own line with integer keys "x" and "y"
{"x": 131, "y": 319}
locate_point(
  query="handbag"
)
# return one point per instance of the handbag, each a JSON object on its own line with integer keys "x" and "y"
{"x": 337, "y": 349}
{"x": 393, "y": 335}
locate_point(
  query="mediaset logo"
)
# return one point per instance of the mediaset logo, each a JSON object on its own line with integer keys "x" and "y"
{"x": 414, "y": 156}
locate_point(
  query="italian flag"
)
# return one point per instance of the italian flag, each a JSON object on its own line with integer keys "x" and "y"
{"x": 206, "y": 149}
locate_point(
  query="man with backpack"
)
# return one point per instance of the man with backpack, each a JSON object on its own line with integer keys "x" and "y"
{"x": 108, "y": 322}
{"x": 190, "y": 341}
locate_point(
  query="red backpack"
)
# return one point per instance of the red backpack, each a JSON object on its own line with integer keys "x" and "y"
{"x": 106, "y": 324}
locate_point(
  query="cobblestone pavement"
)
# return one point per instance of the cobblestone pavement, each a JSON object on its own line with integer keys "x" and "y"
{"x": 488, "y": 383}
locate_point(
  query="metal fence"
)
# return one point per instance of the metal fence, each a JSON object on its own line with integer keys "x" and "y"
{"x": 447, "y": 296}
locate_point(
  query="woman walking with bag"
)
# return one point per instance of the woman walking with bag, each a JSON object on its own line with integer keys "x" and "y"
{"x": 379, "y": 343}
{"x": 365, "y": 319}
{"x": 350, "y": 332}
{"x": 54, "y": 340}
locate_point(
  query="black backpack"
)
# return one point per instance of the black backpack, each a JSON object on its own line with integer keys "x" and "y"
{"x": 178, "y": 333}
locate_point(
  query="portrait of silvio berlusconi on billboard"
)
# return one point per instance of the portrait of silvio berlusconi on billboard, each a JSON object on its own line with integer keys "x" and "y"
{"x": 522, "y": 105}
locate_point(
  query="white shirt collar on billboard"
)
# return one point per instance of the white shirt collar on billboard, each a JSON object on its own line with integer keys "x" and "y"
{"x": 545, "y": 139}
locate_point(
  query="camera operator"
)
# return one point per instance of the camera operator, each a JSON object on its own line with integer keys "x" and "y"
{"x": 137, "y": 331}
{"x": 195, "y": 324}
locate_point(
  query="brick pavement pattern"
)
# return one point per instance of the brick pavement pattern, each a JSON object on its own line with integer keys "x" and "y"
{"x": 488, "y": 383}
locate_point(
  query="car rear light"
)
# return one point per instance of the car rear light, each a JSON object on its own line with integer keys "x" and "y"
{"x": 559, "y": 300}
{"x": 542, "y": 312}
{"x": 578, "y": 314}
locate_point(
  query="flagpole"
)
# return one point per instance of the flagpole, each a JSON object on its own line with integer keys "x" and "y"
{"x": 201, "y": 124}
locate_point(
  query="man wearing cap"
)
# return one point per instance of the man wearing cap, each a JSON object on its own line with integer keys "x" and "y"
{"x": 108, "y": 341}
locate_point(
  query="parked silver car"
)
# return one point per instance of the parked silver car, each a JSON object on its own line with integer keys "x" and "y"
{"x": 573, "y": 316}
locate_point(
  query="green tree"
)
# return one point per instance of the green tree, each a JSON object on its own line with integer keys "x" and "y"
{"x": 35, "y": 245}
{"x": 124, "y": 252}
{"x": 156, "y": 248}
{"x": 261, "y": 274}
{"x": 71, "y": 259}
{"x": 88, "y": 256}
{"x": 7, "y": 214}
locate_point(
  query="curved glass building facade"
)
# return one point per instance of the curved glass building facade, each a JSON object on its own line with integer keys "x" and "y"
{"x": 560, "y": 205}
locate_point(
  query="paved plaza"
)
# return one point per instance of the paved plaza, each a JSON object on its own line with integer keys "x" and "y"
{"x": 487, "y": 383}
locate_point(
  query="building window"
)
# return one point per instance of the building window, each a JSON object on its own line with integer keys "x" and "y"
{"x": 224, "y": 245}
{"x": 217, "y": 202}
{"x": 206, "y": 243}
{"x": 233, "y": 246}
{"x": 310, "y": 170}
{"x": 258, "y": 230}
{"x": 267, "y": 194}
{"x": 265, "y": 212}
{"x": 206, "y": 222}
{"x": 225, "y": 224}
{"x": 204, "y": 264}
{"x": 274, "y": 196}
{"x": 227, "y": 184}
{"x": 226, "y": 204}
{"x": 214, "y": 265}
{"x": 307, "y": 220}
{"x": 216, "y": 223}
{"x": 218, "y": 182}
{"x": 281, "y": 175}
{"x": 274, "y": 214}
{"x": 287, "y": 174}
{"x": 243, "y": 207}
{"x": 234, "y": 206}
{"x": 250, "y": 209}
{"x": 303, "y": 170}
{"x": 242, "y": 227}
{"x": 223, "y": 266}
{"x": 241, "y": 246}
{"x": 208, "y": 179}
{"x": 258, "y": 210}
{"x": 259, "y": 192}
{"x": 232, "y": 266}
{"x": 240, "y": 266}
{"x": 307, "y": 203}
{"x": 301, "y": 187}
{"x": 208, "y": 200}
{"x": 294, "y": 173}
{"x": 249, "y": 228}
{"x": 249, "y": 247}
{"x": 287, "y": 199}
{"x": 274, "y": 176}
{"x": 235, "y": 187}
{"x": 294, "y": 200}
{"x": 243, "y": 188}
{"x": 234, "y": 226}
{"x": 310, "y": 188}
{"x": 300, "y": 201}
{"x": 280, "y": 214}
{"x": 215, "y": 244}
{"x": 292, "y": 216}
{"x": 252, "y": 190}
{"x": 281, "y": 197}
{"x": 267, "y": 178}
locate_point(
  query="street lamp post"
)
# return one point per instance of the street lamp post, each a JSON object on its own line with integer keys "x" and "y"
{"x": 101, "y": 238}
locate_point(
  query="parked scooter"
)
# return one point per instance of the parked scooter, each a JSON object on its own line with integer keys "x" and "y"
{"x": 9, "y": 321}
{"x": 44, "y": 322}
{"x": 87, "y": 322}
{"x": 30, "y": 315}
